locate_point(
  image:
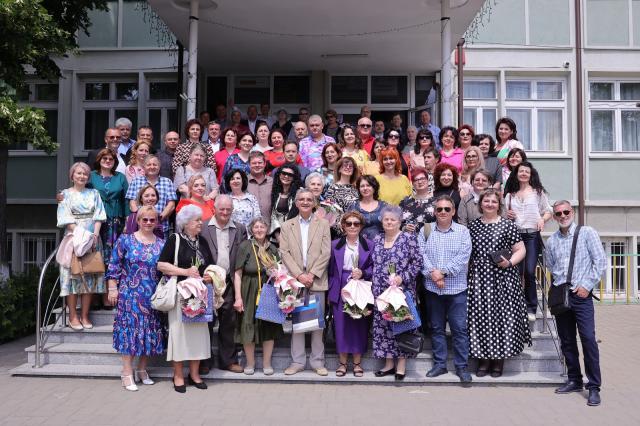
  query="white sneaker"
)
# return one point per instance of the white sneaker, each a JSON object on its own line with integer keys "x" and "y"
{"x": 531, "y": 316}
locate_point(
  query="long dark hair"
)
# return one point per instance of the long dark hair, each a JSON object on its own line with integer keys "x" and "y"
{"x": 513, "y": 185}
{"x": 277, "y": 189}
{"x": 511, "y": 124}
{"x": 423, "y": 132}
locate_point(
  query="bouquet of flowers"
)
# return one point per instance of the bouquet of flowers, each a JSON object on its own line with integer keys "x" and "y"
{"x": 357, "y": 297}
{"x": 196, "y": 300}
{"x": 287, "y": 287}
{"x": 193, "y": 307}
{"x": 392, "y": 303}
{"x": 331, "y": 211}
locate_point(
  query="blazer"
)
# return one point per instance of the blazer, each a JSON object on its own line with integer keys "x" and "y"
{"x": 365, "y": 264}
{"x": 236, "y": 236}
{"x": 318, "y": 250}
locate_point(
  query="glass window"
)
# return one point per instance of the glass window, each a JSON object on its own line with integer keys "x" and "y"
{"x": 23, "y": 94}
{"x": 127, "y": 91}
{"x": 636, "y": 39}
{"x": 602, "y": 130}
{"x": 506, "y": 24}
{"x": 51, "y": 123}
{"x": 424, "y": 84}
{"x": 163, "y": 90}
{"x": 549, "y": 130}
{"x": 549, "y": 22}
{"x": 522, "y": 118}
{"x": 95, "y": 124}
{"x": 607, "y": 22}
{"x": 630, "y": 130}
{"x": 479, "y": 89}
{"x": 136, "y": 27}
{"x": 549, "y": 90}
{"x": 103, "y": 31}
{"x": 601, "y": 91}
{"x": 252, "y": 90}
{"x": 46, "y": 92}
{"x": 470, "y": 116}
{"x": 489, "y": 118}
{"x": 630, "y": 91}
{"x": 291, "y": 89}
{"x": 172, "y": 119}
{"x": 348, "y": 89}
{"x": 96, "y": 91}
{"x": 389, "y": 89}
{"x": 518, "y": 90}
{"x": 155, "y": 122}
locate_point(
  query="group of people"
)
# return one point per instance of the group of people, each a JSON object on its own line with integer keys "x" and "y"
{"x": 459, "y": 215}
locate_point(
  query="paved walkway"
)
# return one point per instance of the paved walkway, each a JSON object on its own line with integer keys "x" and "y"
{"x": 53, "y": 401}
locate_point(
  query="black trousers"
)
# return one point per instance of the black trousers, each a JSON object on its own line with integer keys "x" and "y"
{"x": 580, "y": 316}
{"x": 227, "y": 353}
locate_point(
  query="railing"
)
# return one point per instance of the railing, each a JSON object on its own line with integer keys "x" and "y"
{"x": 43, "y": 327}
{"x": 622, "y": 266}
{"x": 543, "y": 281}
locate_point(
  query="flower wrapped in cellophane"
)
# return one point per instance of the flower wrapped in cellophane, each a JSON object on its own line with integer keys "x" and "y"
{"x": 392, "y": 303}
{"x": 329, "y": 211}
{"x": 357, "y": 299}
{"x": 287, "y": 287}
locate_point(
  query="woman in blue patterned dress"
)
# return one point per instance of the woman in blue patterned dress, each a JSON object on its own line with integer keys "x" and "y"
{"x": 400, "y": 249}
{"x": 81, "y": 207}
{"x": 369, "y": 205}
{"x": 132, "y": 278}
{"x": 240, "y": 160}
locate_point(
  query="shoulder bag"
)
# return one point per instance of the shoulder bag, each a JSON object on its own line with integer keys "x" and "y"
{"x": 164, "y": 298}
{"x": 91, "y": 263}
{"x": 559, "y": 302}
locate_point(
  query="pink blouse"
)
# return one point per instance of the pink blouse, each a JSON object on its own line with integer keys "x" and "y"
{"x": 454, "y": 158}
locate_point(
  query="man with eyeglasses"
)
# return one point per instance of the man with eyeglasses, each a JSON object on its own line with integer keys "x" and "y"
{"x": 588, "y": 267}
{"x": 445, "y": 252}
{"x": 426, "y": 124}
{"x": 311, "y": 146}
{"x": 112, "y": 141}
{"x": 364, "y": 133}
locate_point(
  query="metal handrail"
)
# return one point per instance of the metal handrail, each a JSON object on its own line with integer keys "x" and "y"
{"x": 543, "y": 303}
{"x": 42, "y": 327}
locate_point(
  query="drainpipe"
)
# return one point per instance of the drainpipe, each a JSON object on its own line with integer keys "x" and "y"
{"x": 446, "y": 72}
{"x": 192, "y": 75}
{"x": 460, "y": 83}
{"x": 580, "y": 114}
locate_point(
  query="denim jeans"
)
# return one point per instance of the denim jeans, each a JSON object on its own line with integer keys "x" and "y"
{"x": 452, "y": 308}
{"x": 528, "y": 269}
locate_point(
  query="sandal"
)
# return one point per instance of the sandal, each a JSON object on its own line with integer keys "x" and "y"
{"x": 340, "y": 372}
{"x": 357, "y": 370}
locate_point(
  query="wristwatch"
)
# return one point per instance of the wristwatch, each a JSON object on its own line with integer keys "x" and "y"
{"x": 445, "y": 274}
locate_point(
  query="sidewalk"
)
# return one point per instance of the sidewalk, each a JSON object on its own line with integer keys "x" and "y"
{"x": 55, "y": 401}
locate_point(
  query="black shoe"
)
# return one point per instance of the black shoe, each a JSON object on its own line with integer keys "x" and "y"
{"x": 483, "y": 367}
{"x": 594, "y": 398}
{"x": 199, "y": 385}
{"x": 496, "y": 367}
{"x": 570, "y": 386}
{"x": 382, "y": 373}
{"x": 179, "y": 389}
{"x": 436, "y": 371}
{"x": 399, "y": 377}
{"x": 465, "y": 377}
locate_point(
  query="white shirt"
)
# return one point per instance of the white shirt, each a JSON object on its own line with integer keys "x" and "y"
{"x": 350, "y": 255}
{"x": 304, "y": 235}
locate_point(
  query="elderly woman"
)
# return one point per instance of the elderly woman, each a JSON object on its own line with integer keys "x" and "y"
{"x": 468, "y": 209}
{"x": 369, "y": 206}
{"x": 262, "y": 138}
{"x": 131, "y": 279}
{"x": 187, "y": 340}
{"x": 394, "y": 186}
{"x": 81, "y": 208}
{"x": 343, "y": 191}
{"x": 396, "y": 256}
{"x": 250, "y": 275}
{"x": 472, "y": 161}
{"x": 372, "y": 167}
{"x": 350, "y": 259}
{"x": 466, "y": 134}
{"x": 351, "y": 146}
{"x": 497, "y": 318}
{"x": 198, "y": 197}
{"x": 528, "y": 206}
{"x": 147, "y": 196}
{"x": 491, "y": 164}
{"x": 451, "y": 153}
{"x": 229, "y": 138}
{"x": 197, "y": 157}
{"x": 411, "y": 143}
{"x": 416, "y": 155}
{"x": 446, "y": 181}
{"x": 286, "y": 183}
{"x": 193, "y": 132}
{"x": 139, "y": 152}
{"x": 418, "y": 208}
{"x": 240, "y": 160}
{"x": 245, "y": 205}
{"x": 315, "y": 183}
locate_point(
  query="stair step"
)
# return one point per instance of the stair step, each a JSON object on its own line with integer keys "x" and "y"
{"x": 412, "y": 378}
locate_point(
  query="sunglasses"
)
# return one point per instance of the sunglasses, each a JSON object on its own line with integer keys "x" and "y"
{"x": 148, "y": 220}
{"x": 394, "y": 136}
{"x": 351, "y": 224}
{"x": 562, "y": 213}
{"x": 425, "y": 138}
{"x": 465, "y": 134}
{"x": 109, "y": 159}
{"x": 443, "y": 209}
{"x": 365, "y": 126}
{"x": 287, "y": 174}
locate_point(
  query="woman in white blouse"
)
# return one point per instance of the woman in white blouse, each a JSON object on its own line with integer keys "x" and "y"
{"x": 528, "y": 205}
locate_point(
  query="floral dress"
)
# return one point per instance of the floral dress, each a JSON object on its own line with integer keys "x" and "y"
{"x": 405, "y": 254}
{"x": 83, "y": 209}
{"x": 137, "y": 329}
{"x": 346, "y": 196}
{"x": 417, "y": 211}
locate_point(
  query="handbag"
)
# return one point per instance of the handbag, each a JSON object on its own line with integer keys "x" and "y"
{"x": 407, "y": 325}
{"x": 410, "y": 342}
{"x": 558, "y": 299}
{"x": 308, "y": 316}
{"x": 90, "y": 263}
{"x": 496, "y": 256}
{"x": 164, "y": 298}
{"x": 206, "y": 313}
{"x": 268, "y": 309}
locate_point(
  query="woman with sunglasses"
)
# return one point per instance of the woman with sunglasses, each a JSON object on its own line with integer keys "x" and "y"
{"x": 472, "y": 162}
{"x": 528, "y": 206}
{"x": 147, "y": 196}
{"x": 394, "y": 186}
{"x": 394, "y": 140}
{"x": 497, "y": 319}
{"x": 451, "y": 153}
{"x": 285, "y": 185}
{"x": 343, "y": 191}
{"x": 466, "y": 134}
{"x": 424, "y": 142}
{"x": 351, "y": 146}
{"x": 131, "y": 278}
{"x": 350, "y": 259}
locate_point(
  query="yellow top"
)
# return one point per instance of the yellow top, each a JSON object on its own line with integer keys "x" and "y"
{"x": 392, "y": 191}
{"x": 370, "y": 168}
{"x": 360, "y": 156}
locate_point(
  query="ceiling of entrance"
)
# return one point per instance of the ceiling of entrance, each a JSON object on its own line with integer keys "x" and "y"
{"x": 303, "y": 35}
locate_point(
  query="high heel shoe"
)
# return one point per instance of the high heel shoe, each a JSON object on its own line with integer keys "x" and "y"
{"x": 179, "y": 388}
{"x": 143, "y": 377}
{"x": 382, "y": 373}
{"x": 128, "y": 383}
{"x": 200, "y": 385}
{"x": 399, "y": 377}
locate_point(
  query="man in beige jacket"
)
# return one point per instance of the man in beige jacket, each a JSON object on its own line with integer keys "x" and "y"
{"x": 305, "y": 247}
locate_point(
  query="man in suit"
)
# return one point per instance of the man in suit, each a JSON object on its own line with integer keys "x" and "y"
{"x": 224, "y": 237}
{"x": 305, "y": 247}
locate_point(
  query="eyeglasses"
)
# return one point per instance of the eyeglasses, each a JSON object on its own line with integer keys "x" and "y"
{"x": 148, "y": 220}
{"x": 443, "y": 209}
{"x": 471, "y": 156}
{"x": 562, "y": 213}
{"x": 347, "y": 165}
{"x": 425, "y": 138}
{"x": 287, "y": 174}
{"x": 394, "y": 136}
{"x": 109, "y": 159}
{"x": 351, "y": 224}
{"x": 422, "y": 179}
{"x": 365, "y": 126}
{"x": 113, "y": 137}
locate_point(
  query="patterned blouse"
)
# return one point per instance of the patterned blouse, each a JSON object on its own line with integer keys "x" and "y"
{"x": 346, "y": 196}
{"x": 181, "y": 156}
{"x": 417, "y": 211}
{"x": 245, "y": 208}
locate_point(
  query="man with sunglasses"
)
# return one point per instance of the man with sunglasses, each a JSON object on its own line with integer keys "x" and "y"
{"x": 364, "y": 133}
{"x": 588, "y": 267}
{"x": 445, "y": 253}
{"x": 112, "y": 141}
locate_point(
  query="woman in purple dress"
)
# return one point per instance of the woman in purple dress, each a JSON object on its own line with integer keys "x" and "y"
{"x": 401, "y": 250}
{"x": 350, "y": 258}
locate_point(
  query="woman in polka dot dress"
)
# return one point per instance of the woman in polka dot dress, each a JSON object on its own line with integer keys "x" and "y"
{"x": 497, "y": 323}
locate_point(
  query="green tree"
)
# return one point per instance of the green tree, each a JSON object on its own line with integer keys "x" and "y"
{"x": 32, "y": 33}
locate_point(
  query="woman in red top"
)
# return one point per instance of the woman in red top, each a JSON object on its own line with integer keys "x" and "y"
{"x": 275, "y": 157}
{"x": 230, "y": 139}
{"x": 197, "y": 190}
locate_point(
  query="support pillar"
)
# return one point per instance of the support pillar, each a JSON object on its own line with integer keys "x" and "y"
{"x": 447, "y": 70}
{"x": 192, "y": 74}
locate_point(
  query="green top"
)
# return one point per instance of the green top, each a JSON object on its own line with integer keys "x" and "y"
{"x": 112, "y": 192}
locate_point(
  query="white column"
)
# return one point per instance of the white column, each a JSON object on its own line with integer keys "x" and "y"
{"x": 192, "y": 76}
{"x": 446, "y": 72}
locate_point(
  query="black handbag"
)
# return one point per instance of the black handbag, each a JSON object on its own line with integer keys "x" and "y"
{"x": 559, "y": 302}
{"x": 497, "y": 256}
{"x": 410, "y": 342}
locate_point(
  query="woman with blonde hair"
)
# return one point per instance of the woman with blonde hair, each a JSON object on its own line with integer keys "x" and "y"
{"x": 472, "y": 161}
{"x": 139, "y": 152}
{"x": 197, "y": 186}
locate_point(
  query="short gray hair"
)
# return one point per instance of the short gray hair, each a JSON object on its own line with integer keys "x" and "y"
{"x": 186, "y": 215}
{"x": 304, "y": 191}
{"x": 123, "y": 121}
{"x": 561, "y": 203}
{"x": 314, "y": 175}
{"x": 392, "y": 210}
{"x": 220, "y": 198}
{"x": 315, "y": 117}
